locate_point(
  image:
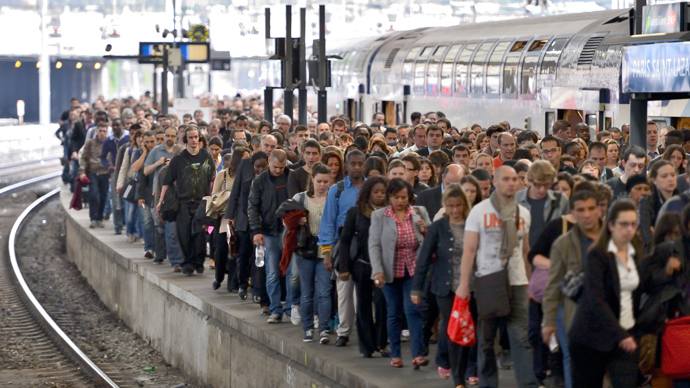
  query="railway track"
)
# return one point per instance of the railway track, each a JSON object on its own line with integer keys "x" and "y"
{"x": 36, "y": 339}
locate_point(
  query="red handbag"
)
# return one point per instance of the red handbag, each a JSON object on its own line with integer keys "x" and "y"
{"x": 460, "y": 324}
{"x": 675, "y": 343}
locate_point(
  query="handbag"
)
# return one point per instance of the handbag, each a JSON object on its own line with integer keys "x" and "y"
{"x": 129, "y": 192}
{"x": 461, "y": 329}
{"x": 648, "y": 344}
{"x": 493, "y": 301}
{"x": 170, "y": 205}
{"x": 573, "y": 284}
{"x": 218, "y": 202}
{"x": 675, "y": 342}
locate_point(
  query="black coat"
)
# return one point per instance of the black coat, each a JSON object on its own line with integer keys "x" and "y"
{"x": 649, "y": 211}
{"x": 356, "y": 226}
{"x": 78, "y": 137}
{"x": 439, "y": 240}
{"x": 596, "y": 323}
{"x": 263, "y": 204}
{"x": 237, "y": 203}
{"x": 431, "y": 199}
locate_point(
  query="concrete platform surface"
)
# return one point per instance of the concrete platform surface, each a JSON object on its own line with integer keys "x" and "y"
{"x": 217, "y": 337}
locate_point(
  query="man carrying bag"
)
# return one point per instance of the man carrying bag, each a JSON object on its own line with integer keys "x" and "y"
{"x": 497, "y": 234}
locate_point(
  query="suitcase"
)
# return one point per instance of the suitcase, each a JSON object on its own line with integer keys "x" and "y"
{"x": 675, "y": 349}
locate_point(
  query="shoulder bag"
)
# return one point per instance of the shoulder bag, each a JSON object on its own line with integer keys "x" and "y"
{"x": 218, "y": 202}
{"x": 493, "y": 290}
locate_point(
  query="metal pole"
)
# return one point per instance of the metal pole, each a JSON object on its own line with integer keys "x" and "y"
{"x": 322, "y": 98}
{"x": 164, "y": 81}
{"x": 155, "y": 84}
{"x": 638, "y": 121}
{"x": 288, "y": 95}
{"x": 268, "y": 104}
{"x": 639, "y": 5}
{"x": 302, "y": 67}
{"x": 44, "y": 70}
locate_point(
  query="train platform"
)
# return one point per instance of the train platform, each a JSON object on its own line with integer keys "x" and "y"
{"x": 213, "y": 335}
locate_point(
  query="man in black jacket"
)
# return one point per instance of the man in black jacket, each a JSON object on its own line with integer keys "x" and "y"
{"x": 268, "y": 192}
{"x": 193, "y": 170}
{"x": 431, "y": 198}
{"x": 236, "y": 214}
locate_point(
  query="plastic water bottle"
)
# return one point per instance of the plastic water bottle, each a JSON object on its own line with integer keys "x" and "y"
{"x": 259, "y": 253}
{"x": 149, "y": 369}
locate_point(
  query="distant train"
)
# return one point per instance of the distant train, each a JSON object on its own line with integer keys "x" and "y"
{"x": 530, "y": 72}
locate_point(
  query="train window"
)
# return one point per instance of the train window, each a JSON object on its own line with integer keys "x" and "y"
{"x": 461, "y": 68}
{"x": 518, "y": 46}
{"x": 493, "y": 70}
{"x": 553, "y": 52}
{"x": 419, "y": 69}
{"x": 537, "y": 45}
{"x": 447, "y": 69}
{"x": 408, "y": 65}
{"x": 425, "y": 52}
{"x": 477, "y": 69}
{"x": 432, "y": 78}
{"x": 529, "y": 69}
{"x": 510, "y": 75}
{"x": 438, "y": 53}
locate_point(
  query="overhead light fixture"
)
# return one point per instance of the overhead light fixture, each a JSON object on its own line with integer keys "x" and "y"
{"x": 97, "y": 65}
{"x": 18, "y": 64}
{"x": 38, "y": 64}
{"x": 78, "y": 65}
{"x": 58, "y": 65}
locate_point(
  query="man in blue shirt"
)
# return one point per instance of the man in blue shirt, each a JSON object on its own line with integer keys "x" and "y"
{"x": 108, "y": 157}
{"x": 341, "y": 197}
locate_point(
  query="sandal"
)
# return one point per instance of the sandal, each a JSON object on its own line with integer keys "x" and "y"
{"x": 444, "y": 373}
{"x": 396, "y": 362}
{"x": 385, "y": 353}
{"x": 474, "y": 380}
{"x": 419, "y": 361}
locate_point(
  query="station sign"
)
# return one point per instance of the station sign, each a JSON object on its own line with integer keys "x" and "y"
{"x": 192, "y": 52}
{"x": 656, "y": 68}
{"x": 663, "y": 18}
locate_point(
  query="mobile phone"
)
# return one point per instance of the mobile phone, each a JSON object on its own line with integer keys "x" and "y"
{"x": 553, "y": 343}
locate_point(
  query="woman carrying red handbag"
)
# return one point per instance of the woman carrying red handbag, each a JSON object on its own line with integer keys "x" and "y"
{"x": 444, "y": 239}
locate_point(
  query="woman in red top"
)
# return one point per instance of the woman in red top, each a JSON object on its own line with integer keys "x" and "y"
{"x": 395, "y": 236}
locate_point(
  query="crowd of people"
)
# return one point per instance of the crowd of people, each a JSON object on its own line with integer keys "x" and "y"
{"x": 341, "y": 226}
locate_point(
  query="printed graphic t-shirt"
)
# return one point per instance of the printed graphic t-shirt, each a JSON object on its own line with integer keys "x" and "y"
{"x": 484, "y": 219}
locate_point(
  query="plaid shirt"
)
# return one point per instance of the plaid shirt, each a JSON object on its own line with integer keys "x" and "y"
{"x": 406, "y": 244}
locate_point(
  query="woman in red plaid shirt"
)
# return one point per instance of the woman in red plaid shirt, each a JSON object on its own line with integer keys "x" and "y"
{"x": 395, "y": 236}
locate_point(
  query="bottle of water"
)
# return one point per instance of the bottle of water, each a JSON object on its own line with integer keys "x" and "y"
{"x": 259, "y": 254}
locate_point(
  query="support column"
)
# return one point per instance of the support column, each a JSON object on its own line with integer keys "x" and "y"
{"x": 638, "y": 121}
{"x": 268, "y": 104}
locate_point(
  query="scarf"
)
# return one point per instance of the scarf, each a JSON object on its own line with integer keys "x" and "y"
{"x": 291, "y": 221}
{"x": 506, "y": 213}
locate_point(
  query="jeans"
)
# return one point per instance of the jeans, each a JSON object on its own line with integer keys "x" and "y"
{"x": 540, "y": 351}
{"x": 516, "y": 325}
{"x": 590, "y": 366}
{"x": 398, "y": 302}
{"x": 458, "y": 355}
{"x": 158, "y": 234}
{"x": 315, "y": 284}
{"x": 372, "y": 333}
{"x": 132, "y": 217}
{"x": 98, "y": 195}
{"x": 272, "y": 261}
{"x": 117, "y": 208}
{"x": 295, "y": 287}
{"x": 172, "y": 244}
{"x": 147, "y": 227}
{"x": 562, "y": 335}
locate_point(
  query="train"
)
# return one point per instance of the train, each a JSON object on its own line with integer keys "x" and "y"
{"x": 530, "y": 72}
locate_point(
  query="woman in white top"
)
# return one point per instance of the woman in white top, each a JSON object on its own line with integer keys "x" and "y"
{"x": 600, "y": 338}
{"x": 315, "y": 280}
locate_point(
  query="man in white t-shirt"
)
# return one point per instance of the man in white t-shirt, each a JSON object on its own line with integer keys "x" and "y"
{"x": 483, "y": 240}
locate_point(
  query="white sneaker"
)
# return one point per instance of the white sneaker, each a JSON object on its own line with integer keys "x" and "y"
{"x": 405, "y": 336}
{"x": 295, "y": 316}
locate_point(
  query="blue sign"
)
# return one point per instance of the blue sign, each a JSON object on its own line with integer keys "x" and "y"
{"x": 191, "y": 52}
{"x": 663, "y": 18}
{"x": 656, "y": 68}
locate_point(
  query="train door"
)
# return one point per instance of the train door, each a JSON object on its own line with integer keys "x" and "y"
{"x": 390, "y": 109}
{"x": 351, "y": 109}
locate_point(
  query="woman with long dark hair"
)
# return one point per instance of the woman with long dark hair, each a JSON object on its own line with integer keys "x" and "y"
{"x": 600, "y": 338}
{"x": 373, "y": 337}
{"x": 664, "y": 175}
{"x": 443, "y": 244}
{"x": 334, "y": 160}
{"x": 395, "y": 237}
